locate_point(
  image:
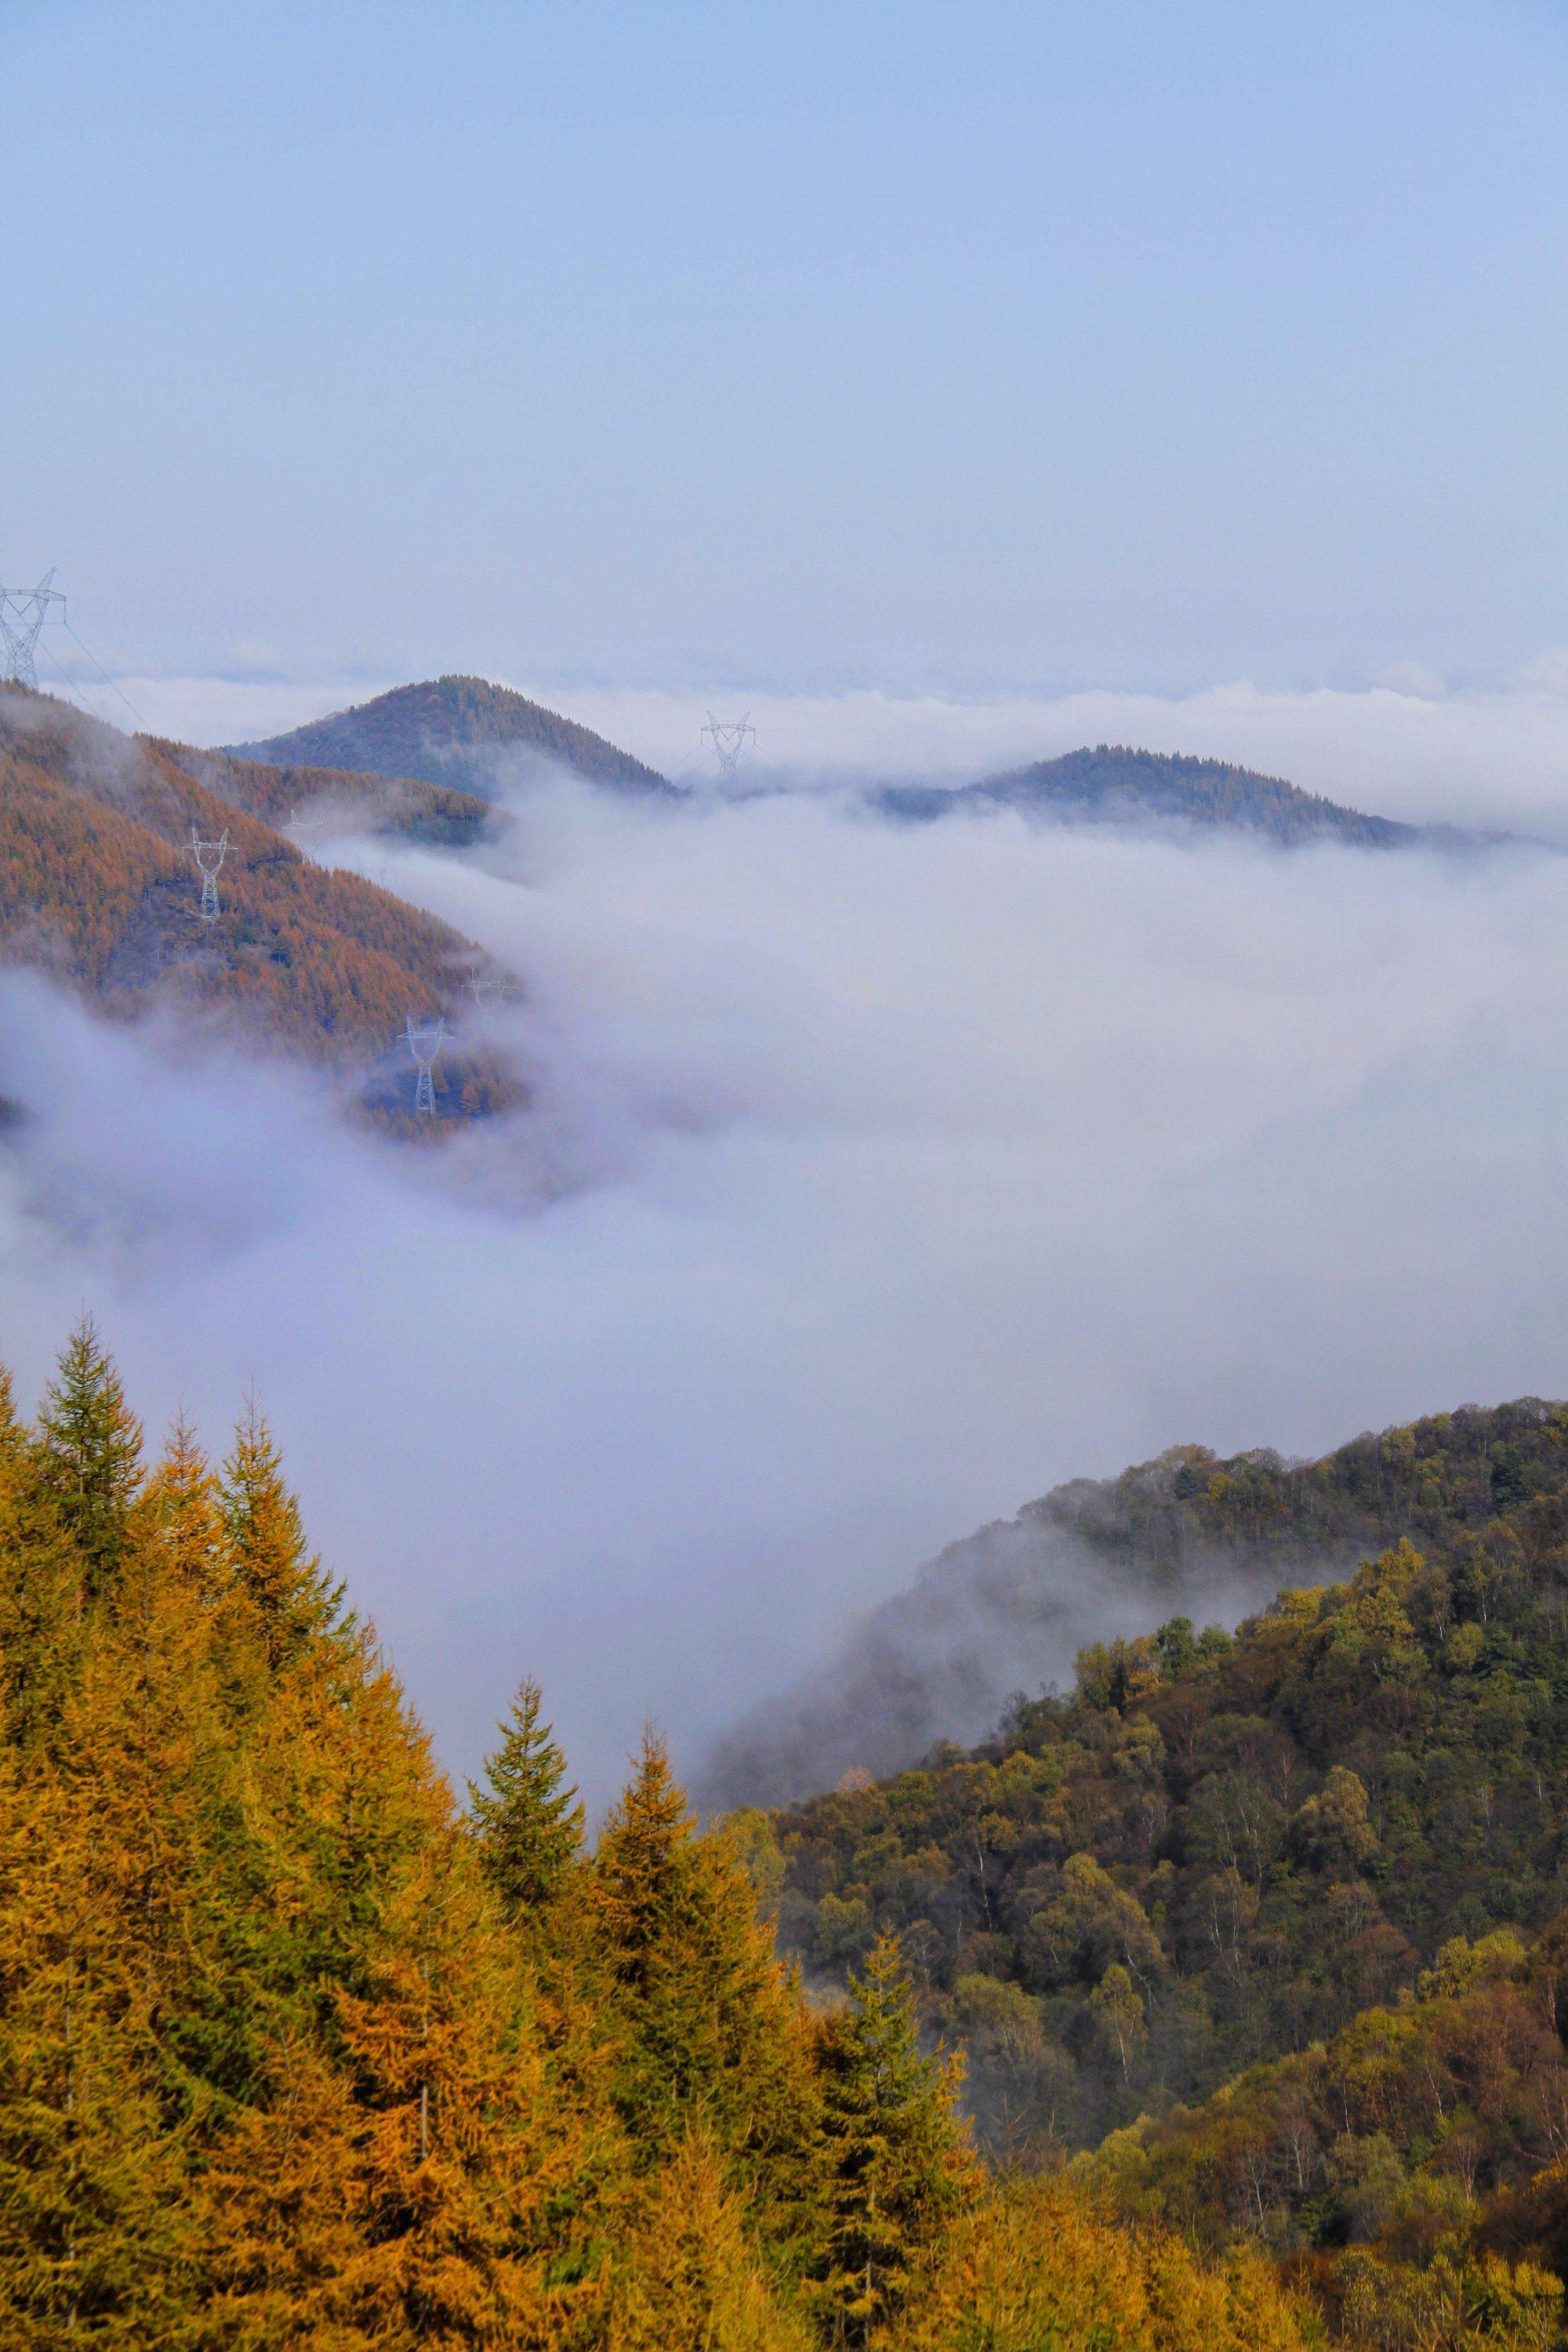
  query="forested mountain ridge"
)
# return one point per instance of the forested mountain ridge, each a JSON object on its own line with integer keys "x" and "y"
{"x": 294, "y": 2052}
{"x": 455, "y": 730}
{"x": 1443, "y": 2114}
{"x": 1113, "y": 783}
{"x": 405, "y": 807}
{"x": 1009, "y": 1607}
{"x": 1214, "y": 1850}
{"x": 98, "y": 889}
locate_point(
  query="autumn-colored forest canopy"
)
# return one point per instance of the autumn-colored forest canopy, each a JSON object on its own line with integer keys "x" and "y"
{"x": 402, "y": 806}
{"x": 294, "y": 2050}
{"x": 98, "y": 889}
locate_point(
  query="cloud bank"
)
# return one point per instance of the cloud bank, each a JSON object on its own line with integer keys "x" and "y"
{"x": 873, "y": 1181}
{"x": 1490, "y": 754}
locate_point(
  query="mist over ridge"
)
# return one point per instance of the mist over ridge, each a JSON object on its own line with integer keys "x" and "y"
{"x": 868, "y": 1182}
{"x": 1007, "y": 1613}
{"x": 784, "y": 1164}
{"x": 1487, "y": 752}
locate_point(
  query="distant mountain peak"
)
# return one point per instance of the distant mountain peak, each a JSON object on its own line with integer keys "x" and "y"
{"x": 455, "y": 730}
{"x": 1116, "y": 782}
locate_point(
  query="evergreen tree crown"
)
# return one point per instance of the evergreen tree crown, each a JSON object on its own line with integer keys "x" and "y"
{"x": 528, "y": 1818}
{"x": 89, "y": 1445}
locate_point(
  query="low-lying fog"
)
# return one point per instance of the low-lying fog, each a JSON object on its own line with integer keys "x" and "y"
{"x": 875, "y": 1180}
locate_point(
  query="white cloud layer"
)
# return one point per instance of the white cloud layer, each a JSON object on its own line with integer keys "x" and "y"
{"x": 875, "y": 1180}
{"x": 1488, "y": 755}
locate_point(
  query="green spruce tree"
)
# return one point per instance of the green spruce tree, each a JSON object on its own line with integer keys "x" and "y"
{"x": 710, "y": 2034}
{"x": 270, "y": 1561}
{"x": 527, "y": 1818}
{"x": 893, "y": 2158}
{"x": 641, "y": 1866}
{"x": 90, "y": 1451}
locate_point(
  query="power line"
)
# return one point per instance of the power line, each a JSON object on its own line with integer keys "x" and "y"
{"x": 68, "y": 682}
{"x": 22, "y": 621}
{"x": 103, "y": 674}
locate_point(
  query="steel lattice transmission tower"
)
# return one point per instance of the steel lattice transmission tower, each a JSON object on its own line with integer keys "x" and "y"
{"x": 209, "y": 856}
{"x": 22, "y": 618}
{"x": 424, "y": 1040}
{"x": 728, "y": 737}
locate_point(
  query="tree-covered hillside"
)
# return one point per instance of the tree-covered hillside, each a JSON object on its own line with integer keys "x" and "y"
{"x": 98, "y": 889}
{"x": 1438, "y": 2118}
{"x": 402, "y": 806}
{"x": 1114, "y": 784}
{"x": 462, "y": 731}
{"x": 293, "y": 2053}
{"x": 1215, "y": 1850}
{"x": 1009, "y": 1607}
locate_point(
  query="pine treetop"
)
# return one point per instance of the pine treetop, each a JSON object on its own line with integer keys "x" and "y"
{"x": 529, "y": 1820}
{"x": 89, "y": 1445}
{"x": 894, "y": 2153}
{"x": 267, "y": 1542}
{"x": 640, "y": 1850}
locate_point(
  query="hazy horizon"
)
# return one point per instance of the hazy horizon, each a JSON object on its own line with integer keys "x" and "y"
{"x": 927, "y": 348}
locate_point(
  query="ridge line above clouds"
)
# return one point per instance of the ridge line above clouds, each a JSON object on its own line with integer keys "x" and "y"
{"x": 1493, "y": 755}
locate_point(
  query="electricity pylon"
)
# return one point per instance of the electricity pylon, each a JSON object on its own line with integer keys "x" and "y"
{"x": 425, "y": 1040}
{"x": 209, "y": 856}
{"x": 728, "y": 737}
{"x": 22, "y": 619}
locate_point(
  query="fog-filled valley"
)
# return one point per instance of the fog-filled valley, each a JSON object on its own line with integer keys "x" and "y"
{"x": 869, "y": 1180}
{"x": 784, "y": 1157}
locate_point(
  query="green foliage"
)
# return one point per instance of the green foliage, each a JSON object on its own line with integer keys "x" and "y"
{"x": 1261, "y": 1834}
{"x": 528, "y": 1820}
{"x": 90, "y": 1452}
{"x": 1430, "y": 2132}
{"x": 291, "y": 2053}
{"x": 894, "y": 2166}
{"x": 1486, "y": 2305}
{"x": 293, "y": 1599}
{"x": 707, "y": 2032}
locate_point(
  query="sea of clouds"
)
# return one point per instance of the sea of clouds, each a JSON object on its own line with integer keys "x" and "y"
{"x": 873, "y": 1180}
{"x": 1492, "y": 752}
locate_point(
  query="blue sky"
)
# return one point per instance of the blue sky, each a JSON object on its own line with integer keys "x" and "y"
{"x": 1139, "y": 344}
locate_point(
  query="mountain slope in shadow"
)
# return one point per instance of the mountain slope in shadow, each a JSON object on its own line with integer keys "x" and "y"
{"x": 1115, "y": 784}
{"x": 460, "y": 732}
